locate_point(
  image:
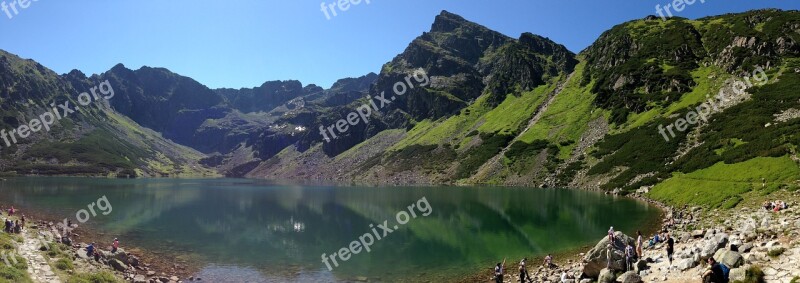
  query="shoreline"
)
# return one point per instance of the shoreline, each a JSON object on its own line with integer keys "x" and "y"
{"x": 148, "y": 263}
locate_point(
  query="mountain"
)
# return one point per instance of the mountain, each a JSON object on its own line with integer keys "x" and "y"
{"x": 547, "y": 117}
{"x": 671, "y": 106}
{"x": 92, "y": 140}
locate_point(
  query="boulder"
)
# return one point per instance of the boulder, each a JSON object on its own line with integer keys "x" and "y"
{"x": 640, "y": 265}
{"x": 707, "y": 249}
{"x": 117, "y": 265}
{"x": 139, "y": 279}
{"x": 697, "y": 234}
{"x": 746, "y": 247}
{"x": 729, "y": 258}
{"x": 596, "y": 258}
{"x": 120, "y": 255}
{"x": 738, "y": 274}
{"x": 685, "y": 264}
{"x": 606, "y": 276}
{"x": 630, "y": 277}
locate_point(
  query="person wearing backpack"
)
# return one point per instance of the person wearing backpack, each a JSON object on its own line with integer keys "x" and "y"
{"x": 498, "y": 272}
{"x": 715, "y": 272}
{"x": 523, "y": 271}
{"x": 630, "y": 255}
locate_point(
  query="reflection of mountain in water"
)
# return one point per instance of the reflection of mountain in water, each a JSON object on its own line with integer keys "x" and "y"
{"x": 279, "y": 229}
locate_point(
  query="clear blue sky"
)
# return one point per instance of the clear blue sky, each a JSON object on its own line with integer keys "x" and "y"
{"x": 243, "y": 43}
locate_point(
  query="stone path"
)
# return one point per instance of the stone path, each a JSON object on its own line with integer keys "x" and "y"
{"x": 38, "y": 267}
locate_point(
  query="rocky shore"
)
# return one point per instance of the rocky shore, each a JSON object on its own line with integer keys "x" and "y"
{"x": 754, "y": 242}
{"x": 52, "y": 257}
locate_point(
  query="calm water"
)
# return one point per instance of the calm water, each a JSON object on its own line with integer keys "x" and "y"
{"x": 258, "y": 231}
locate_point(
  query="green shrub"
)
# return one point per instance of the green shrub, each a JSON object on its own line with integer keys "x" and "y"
{"x": 64, "y": 264}
{"x": 776, "y": 252}
{"x": 754, "y": 274}
{"x": 12, "y": 274}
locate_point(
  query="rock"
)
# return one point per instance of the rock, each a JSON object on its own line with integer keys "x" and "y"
{"x": 729, "y": 258}
{"x": 685, "y": 264}
{"x": 117, "y": 265}
{"x": 174, "y": 278}
{"x": 120, "y": 255}
{"x": 707, "y": 249}
{"x": 697, "y": 234}
{"x": 596, "y": 258}
{"x": 630, "y": 277}
{"x": 606, "y": 276}
{"x": 738, "y": 274}
{"x": 151, "y": 273}
{"x": 139, "y": 279}
{"x": 640, "y": 265}
{"x": 746, "y": 247}
{"x": 721, "y": 239}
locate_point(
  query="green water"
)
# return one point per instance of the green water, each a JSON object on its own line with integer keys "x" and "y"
{"x": 258, "y": 231}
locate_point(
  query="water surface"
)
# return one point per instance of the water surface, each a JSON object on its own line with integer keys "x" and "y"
{"x": 260, "y": 231}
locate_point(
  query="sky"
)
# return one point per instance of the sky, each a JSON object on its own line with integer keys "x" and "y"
{"x": 244, "y": 43}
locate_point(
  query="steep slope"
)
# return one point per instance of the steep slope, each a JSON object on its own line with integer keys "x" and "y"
{"x": 597, "y": 125}
{"x": 92, "y": 140}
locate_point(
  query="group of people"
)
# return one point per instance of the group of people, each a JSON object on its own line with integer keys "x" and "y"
{"x": 524, "y": 276}
{"x": 775, "y": 206}
{"x": 15, "y": 226}
{"x": 92, "y": 252}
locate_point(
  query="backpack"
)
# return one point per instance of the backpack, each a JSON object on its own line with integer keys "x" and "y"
{"x": 726, "y": 271}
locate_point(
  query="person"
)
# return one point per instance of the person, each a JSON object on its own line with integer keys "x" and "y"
{"x": 670, "y": 248}
{"x": 767, "y": 206}
{"x": 11, "y": 211}
{"x": 23, "y": 221}
{"x": 609, "y": 255}
{"x": 639, "y": 244}
{"x": 17, "y": 228}
{"x": 548, "y": 261}
{"x": 523, "y": 271}
{"x": 714, "y": 273}
{"x": 611, "y": 235}
{"x": 90, "y": 250}
{"x": 115, "y": 245}
{"x": 8, "y": 226}
{"x": 565, "y": 277}
{"x": 498, "y": 272}
{"x": 629, "y": 257}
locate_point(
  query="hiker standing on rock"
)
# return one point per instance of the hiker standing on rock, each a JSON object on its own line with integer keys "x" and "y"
{"x": 548, "y": 261}
{"x": 629, "y": 255}
{"x": 670, "y": 248}
{"x": 639, "y": 244}
{"x": 609, "y": 255}
{"x": 498, "y": 272}
{"x": 523, "y": 271}
{"x": 611, "y": 235}
{"x": 114, "y": 246}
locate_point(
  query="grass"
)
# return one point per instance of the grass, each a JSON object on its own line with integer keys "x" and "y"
{"x": 776, "y": 252}
{"x": 568, "y": 116}
{"x": 18, "y": 271}
{"x": 723, "y": 184}
{"x": 98, "y": 277}
{"x": 754, "y": 274}
{"x": 64, "y": 264}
